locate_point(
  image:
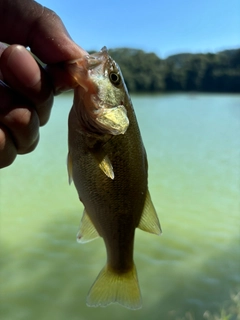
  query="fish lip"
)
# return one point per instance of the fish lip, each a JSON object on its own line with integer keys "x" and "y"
{"x": 97, "y": 58}
{"x": 92, "y": 62}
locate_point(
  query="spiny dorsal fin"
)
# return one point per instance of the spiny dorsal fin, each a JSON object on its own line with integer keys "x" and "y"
{"x": 149, "y": 220}
{"x": 69, "y": 167}
{"x": 106, "y": 166}
{"x": 87, "y": 231}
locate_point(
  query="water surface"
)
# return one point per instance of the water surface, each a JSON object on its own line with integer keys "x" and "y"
{"x": 193, "y": 148}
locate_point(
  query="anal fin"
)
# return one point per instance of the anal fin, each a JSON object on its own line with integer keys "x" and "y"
{"x": 149, "y": 220}
{"x": 87, "y": 232}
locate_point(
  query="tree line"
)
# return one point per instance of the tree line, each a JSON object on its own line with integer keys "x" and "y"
{"x": 146, "y": 72}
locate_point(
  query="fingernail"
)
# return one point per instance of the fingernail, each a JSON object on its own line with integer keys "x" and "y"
{"x": 24, "y": 67}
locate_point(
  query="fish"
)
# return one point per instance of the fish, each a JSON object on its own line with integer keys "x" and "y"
{"x": 108, "y": 164}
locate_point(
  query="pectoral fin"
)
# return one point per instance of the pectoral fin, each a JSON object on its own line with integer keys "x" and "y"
{"x": 149, "y": 220}
{"x": 106, "y": 166}
{"x": 87, "y": 231}
{"x": 69, "y": 167}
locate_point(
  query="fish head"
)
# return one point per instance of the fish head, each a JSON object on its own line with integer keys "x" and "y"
{"x": 101, "y": 94}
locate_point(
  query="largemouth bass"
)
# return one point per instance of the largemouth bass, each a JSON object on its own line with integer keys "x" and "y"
{"x": 108, "y": 164}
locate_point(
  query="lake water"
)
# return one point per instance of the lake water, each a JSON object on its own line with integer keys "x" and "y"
{"x": 193, "y": 146}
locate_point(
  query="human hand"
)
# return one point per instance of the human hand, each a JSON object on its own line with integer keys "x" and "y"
{"x": 26, "y": 101}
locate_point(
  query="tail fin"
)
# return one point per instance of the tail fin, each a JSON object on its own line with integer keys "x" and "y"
{"x": 110, "y": 287}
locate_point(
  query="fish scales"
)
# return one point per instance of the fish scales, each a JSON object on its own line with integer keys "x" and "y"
{"x": 112, "y": 204}
{"x": 108, "y": 164}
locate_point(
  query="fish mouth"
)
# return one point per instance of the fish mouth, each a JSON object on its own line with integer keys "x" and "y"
{"x": 114, "y": 120}
{"x": 97, "y": 58}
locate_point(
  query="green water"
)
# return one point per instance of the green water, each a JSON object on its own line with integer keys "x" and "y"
{"x": 193, "y": 148}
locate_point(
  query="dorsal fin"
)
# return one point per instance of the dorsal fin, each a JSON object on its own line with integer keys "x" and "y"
{"x": 149, "y": 220}
{"x": 87, "y": 231}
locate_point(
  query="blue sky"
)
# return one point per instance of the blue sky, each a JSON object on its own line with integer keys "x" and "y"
{"x": 161, "y": 26}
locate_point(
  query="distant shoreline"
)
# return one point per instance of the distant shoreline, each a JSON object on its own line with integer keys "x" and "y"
{"x": 185, "y": 72}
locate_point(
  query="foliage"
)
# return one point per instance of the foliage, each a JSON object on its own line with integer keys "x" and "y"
{"x": 146, "y": 72}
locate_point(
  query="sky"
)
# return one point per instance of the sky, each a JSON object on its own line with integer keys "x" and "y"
{"x": 162, "y": 26}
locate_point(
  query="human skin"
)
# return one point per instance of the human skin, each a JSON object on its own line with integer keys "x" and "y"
{"x": 27, "y": 94}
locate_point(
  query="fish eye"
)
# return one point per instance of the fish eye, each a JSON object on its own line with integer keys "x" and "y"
{"x": 115, "y": 78}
